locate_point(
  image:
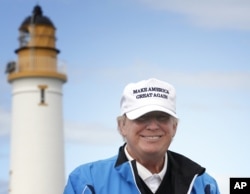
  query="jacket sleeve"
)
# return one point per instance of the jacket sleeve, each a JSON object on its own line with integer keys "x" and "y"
{"x": 79, "y": 183}
{"x": 69, "y": 187}
{"x": 205, "y": 184}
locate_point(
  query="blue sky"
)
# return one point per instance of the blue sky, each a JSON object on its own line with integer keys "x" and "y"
{"x": 201, "y": 47}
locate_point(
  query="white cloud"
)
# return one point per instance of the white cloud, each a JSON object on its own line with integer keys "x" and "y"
{"x": 226, "y": 80}
{"x": 142, "y": 70}
{"x": 230, "y": 14}
{"x": 92, "y": 134}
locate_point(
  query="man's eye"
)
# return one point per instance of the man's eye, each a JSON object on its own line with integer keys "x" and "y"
{"x": 163, "y": 118}
{"x": 160, "y": 118}
{"x": 141, "y": 119}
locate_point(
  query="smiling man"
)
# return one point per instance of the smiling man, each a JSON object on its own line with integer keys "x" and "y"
{"x": 144, "y": 165}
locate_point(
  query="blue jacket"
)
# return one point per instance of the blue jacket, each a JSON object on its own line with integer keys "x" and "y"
{"x": 117, "y": 175}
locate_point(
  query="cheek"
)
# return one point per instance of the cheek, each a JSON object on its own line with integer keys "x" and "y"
{"x": 171, "y": 130}
{"x": 127, "y": 128}
{"x": 124, "y": 130}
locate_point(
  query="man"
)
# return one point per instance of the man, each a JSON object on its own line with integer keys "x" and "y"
{"x": 144, "y": 165}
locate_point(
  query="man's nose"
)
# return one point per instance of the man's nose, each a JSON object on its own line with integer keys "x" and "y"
{"x": 152, "y": 124}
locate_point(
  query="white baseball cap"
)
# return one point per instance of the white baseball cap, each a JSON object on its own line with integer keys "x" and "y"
{"x": 146, "y": 96}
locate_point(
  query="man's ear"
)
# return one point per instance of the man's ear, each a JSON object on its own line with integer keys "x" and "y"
{"x": 175, "y": 126}
{"x": 121, "y": 123}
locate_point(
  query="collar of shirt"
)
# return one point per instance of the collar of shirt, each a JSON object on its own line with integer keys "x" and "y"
{"x": 143, "y": 172}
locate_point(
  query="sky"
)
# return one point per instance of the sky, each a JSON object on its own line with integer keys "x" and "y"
{"x": 200, "y": 47}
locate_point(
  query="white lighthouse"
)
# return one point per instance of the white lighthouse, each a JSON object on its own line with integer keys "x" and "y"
{"x": 37, "y": 151}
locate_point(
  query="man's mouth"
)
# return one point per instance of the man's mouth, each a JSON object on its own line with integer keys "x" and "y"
{"x": 154, "y": 137}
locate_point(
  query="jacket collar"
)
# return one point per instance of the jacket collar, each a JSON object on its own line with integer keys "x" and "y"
{"x": 124, "y": 166}
{"x": 182, "y": 170}
{"x": 121, "y": 156}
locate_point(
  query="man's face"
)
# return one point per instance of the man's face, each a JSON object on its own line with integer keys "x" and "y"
{"x": 149, "y": 135}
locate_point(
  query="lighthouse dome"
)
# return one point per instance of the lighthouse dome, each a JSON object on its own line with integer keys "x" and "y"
{"x": 37, "y": 17}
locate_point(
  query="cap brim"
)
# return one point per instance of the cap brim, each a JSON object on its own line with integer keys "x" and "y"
{"x": 134, "y": 114}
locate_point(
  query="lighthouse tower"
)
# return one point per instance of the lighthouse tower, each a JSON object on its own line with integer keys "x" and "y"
{"x": 37, "y": 152}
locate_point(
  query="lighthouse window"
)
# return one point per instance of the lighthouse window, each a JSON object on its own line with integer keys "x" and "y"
{"x": 24, "y": 38}
{"x": 42, "y": 94}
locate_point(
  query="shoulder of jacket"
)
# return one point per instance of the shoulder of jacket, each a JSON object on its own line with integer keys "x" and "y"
{"x": 205, "y": 180}
{"x": 95, "y": 164}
